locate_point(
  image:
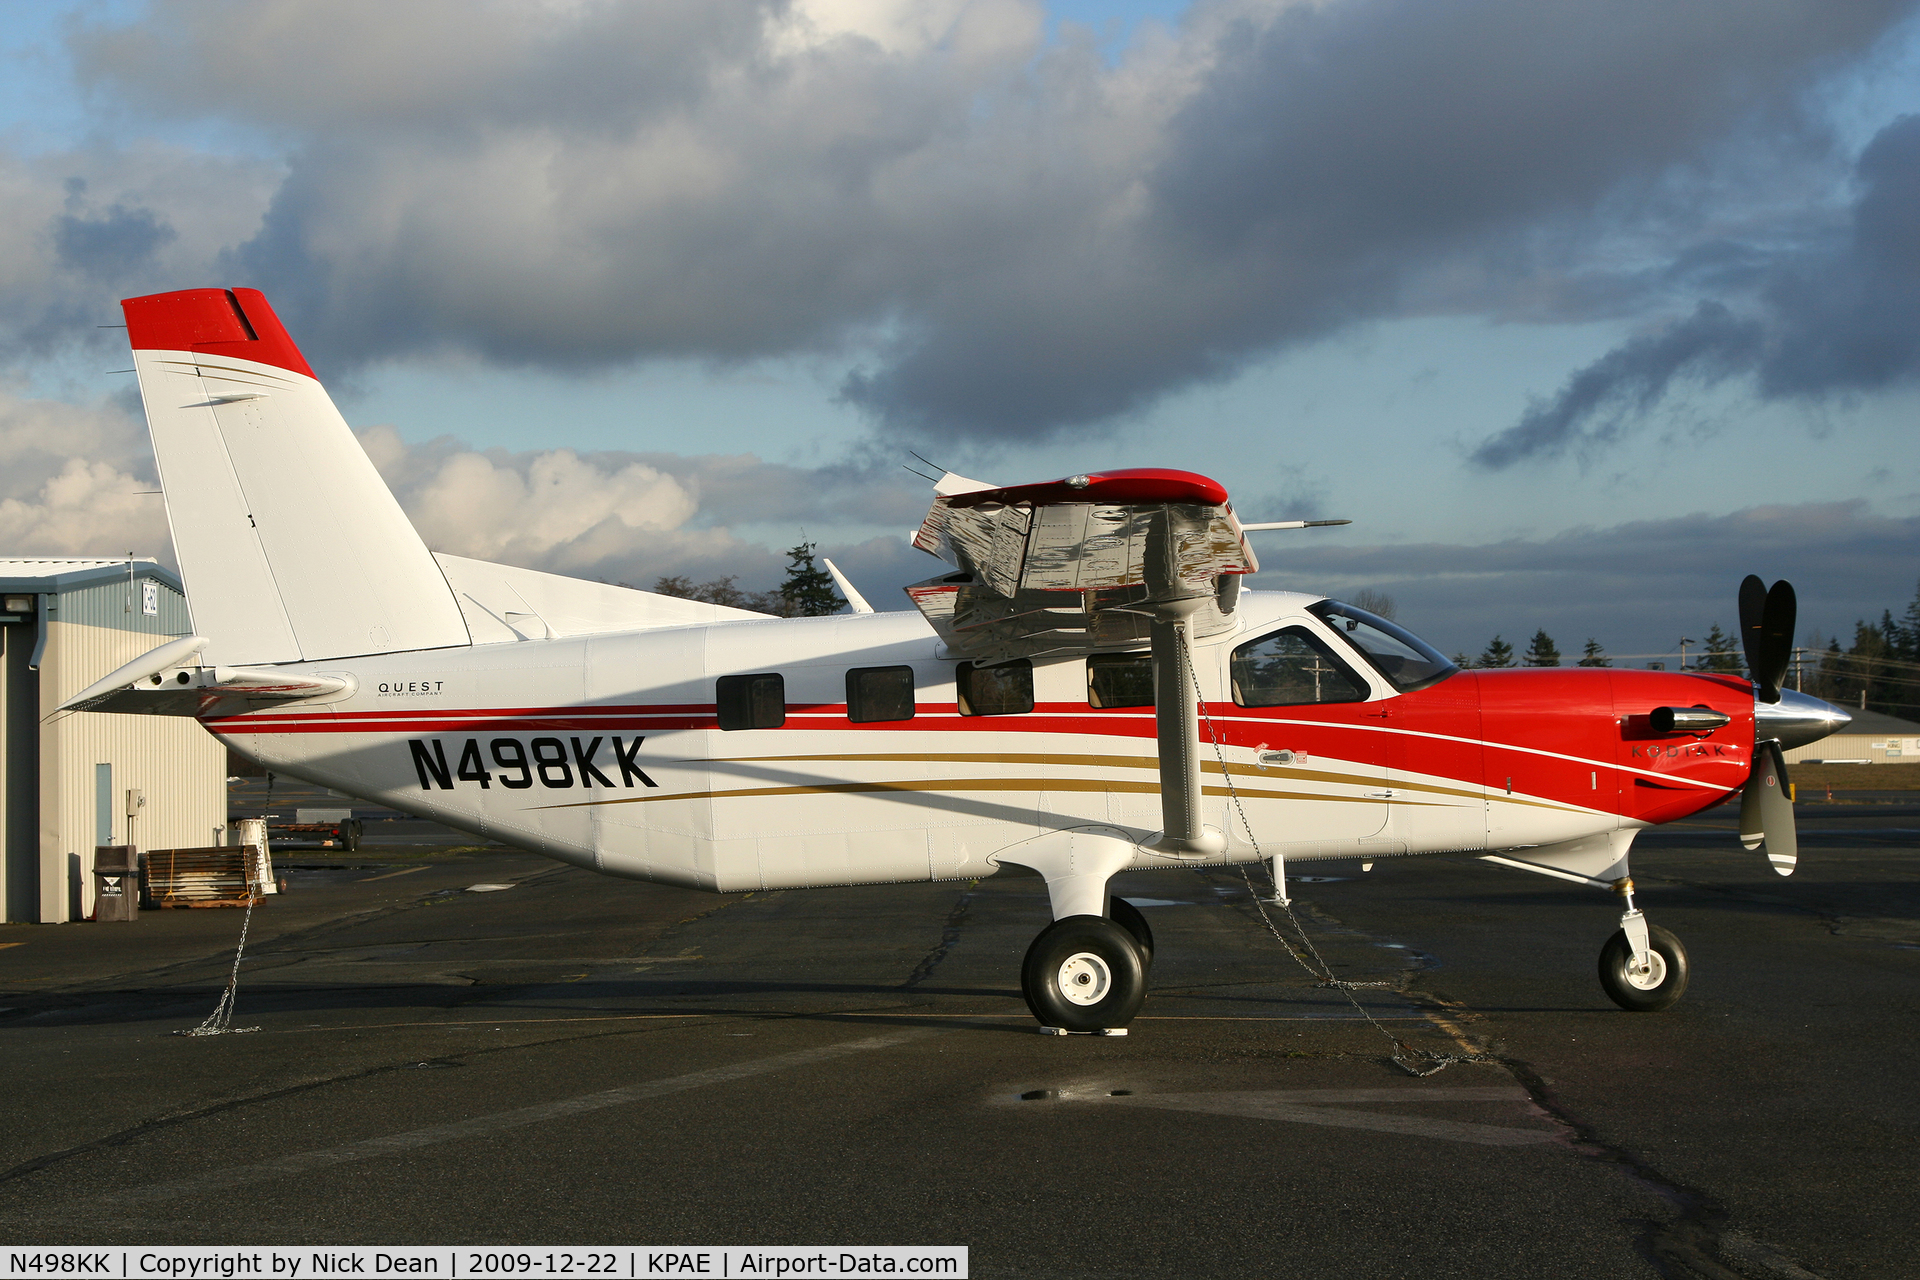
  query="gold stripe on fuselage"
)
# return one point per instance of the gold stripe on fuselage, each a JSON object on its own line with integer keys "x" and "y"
{"x": 964, "y": 784}
{"x": 1133, "y": 762}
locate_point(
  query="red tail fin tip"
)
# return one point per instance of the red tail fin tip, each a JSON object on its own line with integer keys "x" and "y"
{"x": 213, "y": 322}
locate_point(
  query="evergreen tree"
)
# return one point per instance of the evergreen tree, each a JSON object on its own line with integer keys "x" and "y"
{"x": 1864, "y": 668}
{"x": 808, "y": 591}
{"x": 1593, "y": 655}
{"x": 1542, "y": 652}
{"x": 1910, "y": 630}
{"x": 1722, "y": 653}
{"x": 1498, "y": 653}
{"x": 1826, "y": 679}
{"x": 1903, "y": 696}
{"x": 1463, "y": 661}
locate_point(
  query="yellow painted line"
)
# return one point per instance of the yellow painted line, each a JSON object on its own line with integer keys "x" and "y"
{"x": 782, "y": 1016}
{"x": 388, "y": 875}
{"x": 1143, "y": 1017}
{"x": 5, "y": 945}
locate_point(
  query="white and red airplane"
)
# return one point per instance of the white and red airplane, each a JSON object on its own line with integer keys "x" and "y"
{"x": 1087, "y": 692}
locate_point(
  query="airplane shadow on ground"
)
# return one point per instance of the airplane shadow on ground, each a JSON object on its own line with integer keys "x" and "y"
{"x": 555, "y": 998}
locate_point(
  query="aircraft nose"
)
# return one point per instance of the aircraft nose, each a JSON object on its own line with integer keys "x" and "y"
{"x": 1797, "y": 719}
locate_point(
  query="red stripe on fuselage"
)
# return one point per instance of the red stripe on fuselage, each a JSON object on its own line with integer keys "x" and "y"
{"x": 1566, "y": 736}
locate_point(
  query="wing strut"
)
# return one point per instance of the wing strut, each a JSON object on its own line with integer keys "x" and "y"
{"x": 1094, "y": 563}
{"x": 1171, "y": 605}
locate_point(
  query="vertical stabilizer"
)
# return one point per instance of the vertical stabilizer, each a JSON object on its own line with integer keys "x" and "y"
{"x": 291, "y": 545}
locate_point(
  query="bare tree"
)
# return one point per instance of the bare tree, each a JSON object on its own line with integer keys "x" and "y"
{"x": 1375, "y": 602}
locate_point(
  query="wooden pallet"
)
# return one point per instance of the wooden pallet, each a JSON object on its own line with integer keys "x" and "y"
{"x": 223, "y": 876}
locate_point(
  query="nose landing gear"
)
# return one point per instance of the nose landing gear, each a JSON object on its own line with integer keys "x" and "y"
{"x": 1643, "y": 968}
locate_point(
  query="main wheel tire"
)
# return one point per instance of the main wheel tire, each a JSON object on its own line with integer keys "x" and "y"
{"x": 1084, "y": 973}
{"x": 1664, "y": 981}
{"x": 1128, "y": 917}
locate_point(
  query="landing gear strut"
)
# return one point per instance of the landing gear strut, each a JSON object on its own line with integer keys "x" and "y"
{"x": 1643, "y": 968}
{"x": 1088, "y": 974}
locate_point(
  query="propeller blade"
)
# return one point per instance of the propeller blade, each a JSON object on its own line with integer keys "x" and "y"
{"x": 1776, "y": 639}
{"x": 1753, "y": 609}
{"x": 1766, "y": 632}
{"x": 1766, "y": 809}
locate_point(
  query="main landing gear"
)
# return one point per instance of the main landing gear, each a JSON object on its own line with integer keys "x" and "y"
{"x": 1643, "y": 968}
{"x": 1088, "y": 974}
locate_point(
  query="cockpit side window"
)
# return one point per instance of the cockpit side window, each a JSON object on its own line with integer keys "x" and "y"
{"x": 1404, "y": 659}
{"x": 1292, "y": 668}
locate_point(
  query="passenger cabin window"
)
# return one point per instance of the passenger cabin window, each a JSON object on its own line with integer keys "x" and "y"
{"x": 1003, "y": 690}
{"x": 1407, "y": 661}
{"x": 879, "y": 693}
{"x": 751, "y": 702}
{"x": 1120, "y": 680}
{"x": 1292, "y": 668}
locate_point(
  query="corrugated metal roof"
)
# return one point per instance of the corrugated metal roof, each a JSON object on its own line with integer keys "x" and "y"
{"x": 60, "y": 573}
{"x": 1872, "y": 722}
{"x": 47, "y": 566}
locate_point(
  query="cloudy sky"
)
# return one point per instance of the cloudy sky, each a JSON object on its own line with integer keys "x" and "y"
{"x": 1580, "y": 309}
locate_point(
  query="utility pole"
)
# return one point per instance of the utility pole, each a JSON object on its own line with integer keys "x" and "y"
{"x": 1684, "y": 642}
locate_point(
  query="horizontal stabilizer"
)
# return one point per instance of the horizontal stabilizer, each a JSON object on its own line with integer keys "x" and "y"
{"x": 174, "y": 653}
{"x": 205, "y": 691}
{"x": 503, "y": 603}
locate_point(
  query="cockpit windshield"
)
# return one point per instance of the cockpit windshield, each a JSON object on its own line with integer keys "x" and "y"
{"x": 1407, "y": 661}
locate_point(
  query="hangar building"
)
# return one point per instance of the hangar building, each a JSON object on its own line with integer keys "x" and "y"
{"x": 1872, "y": 738}
{"x": 70, "y": 782}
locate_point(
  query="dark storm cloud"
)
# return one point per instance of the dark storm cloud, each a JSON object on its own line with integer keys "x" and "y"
{"x": 1021, "y": 238}
{"x": 1636, "y": 587}
{"x": 1601, "y": 401}
{"x": 1810, "y": 322}
{"x": 111, "y": 245}
{"x": 1332, "y": 156}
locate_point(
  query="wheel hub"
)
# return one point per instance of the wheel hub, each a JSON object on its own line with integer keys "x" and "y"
{"x": 1649, "y": 976}
{"x": 1085, "y": 978}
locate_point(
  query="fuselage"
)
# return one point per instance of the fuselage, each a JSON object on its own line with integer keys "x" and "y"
{"x": 607, "y": 750}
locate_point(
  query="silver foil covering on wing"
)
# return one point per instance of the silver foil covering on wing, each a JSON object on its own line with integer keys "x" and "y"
{"x": 1073, "y": 577}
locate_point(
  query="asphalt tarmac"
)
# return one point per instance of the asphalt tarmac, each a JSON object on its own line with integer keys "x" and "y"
{"x": 576, "y": 1060}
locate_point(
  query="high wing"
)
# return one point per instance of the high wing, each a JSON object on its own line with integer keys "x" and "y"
{"x": 1081, "y": 564}
{"x": 1098, "y": 561}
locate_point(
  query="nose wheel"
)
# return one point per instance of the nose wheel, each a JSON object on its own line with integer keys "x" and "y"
{"x": 1655, "y": 982}
{"x": 1085, "y": 974}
